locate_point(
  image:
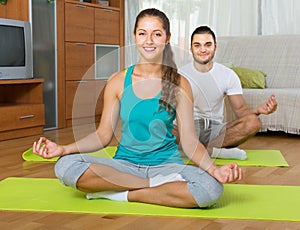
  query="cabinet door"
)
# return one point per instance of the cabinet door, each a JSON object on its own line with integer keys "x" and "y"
{"x": 84, "y": 98}
{"x": 17, "y": 10}
{"x": 21, "y": 116}
{"x": 79, "y": 61}
{"x": 79, "y": 23}
{"x": 107, "y": 26}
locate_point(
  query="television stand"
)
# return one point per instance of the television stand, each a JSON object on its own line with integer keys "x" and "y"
{"x": 21, "y": 108}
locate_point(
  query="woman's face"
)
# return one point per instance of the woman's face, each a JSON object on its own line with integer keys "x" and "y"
{"x": 151, "y": 38}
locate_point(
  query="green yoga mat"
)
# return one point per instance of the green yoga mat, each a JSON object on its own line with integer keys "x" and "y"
{"x": 239, "y": 201}
{"x": 271, "y": 158}
{"x": 107, "y": 152}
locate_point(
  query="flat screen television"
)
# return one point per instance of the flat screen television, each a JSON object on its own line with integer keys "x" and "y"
{"x": 15, "y": 50}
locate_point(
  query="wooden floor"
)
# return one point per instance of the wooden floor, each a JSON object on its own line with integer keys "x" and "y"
{"x": 12, "y": 165}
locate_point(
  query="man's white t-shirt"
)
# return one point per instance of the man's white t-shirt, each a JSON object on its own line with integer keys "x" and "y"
{"x": 210, "y": 88}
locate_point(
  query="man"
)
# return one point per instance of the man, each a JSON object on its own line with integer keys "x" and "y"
{"x": 211, "y": 82}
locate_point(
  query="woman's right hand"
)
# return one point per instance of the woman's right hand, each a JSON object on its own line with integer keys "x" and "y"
{"x": 227, "y": 173}
{"x": 47, "y": 149}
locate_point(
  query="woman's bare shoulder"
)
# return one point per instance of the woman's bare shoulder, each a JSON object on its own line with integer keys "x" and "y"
{"x": 115, "y": 83}
{"x": 116, "y": 79}
{"x": 118, "y": 76}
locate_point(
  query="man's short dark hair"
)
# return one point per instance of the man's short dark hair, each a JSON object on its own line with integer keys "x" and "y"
{"x": 203, "y": 30}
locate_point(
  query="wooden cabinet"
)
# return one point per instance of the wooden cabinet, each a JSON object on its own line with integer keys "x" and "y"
{"x": 79, "y": 24}
{"x": 21, "y": 101}
{"x": 21, "y": 116}
{"x": 84, "y": 98}
{"x": 81, "y": 27}
{"x": 107, "y": 24}
{"x": 15, "y": 9}
{"x": 21, "y": 108}
{"x": 79, "y": 61}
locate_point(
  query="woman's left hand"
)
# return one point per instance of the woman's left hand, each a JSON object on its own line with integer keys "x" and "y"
{"x": 227, "y": 173}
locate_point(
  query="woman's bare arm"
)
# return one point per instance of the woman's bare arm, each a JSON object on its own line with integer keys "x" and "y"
{"x": 98, "y": 139}
{"x": 191, "y": 146}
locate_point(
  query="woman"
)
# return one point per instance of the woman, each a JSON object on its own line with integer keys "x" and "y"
{"x": 147, "y": 166}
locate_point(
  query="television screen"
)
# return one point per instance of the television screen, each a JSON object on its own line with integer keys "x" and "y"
{"x": 15, "y": 49}
{"x": 12, "y": 46}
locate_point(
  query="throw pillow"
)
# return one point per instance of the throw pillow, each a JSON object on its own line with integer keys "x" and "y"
{"x": 250, "y": 78}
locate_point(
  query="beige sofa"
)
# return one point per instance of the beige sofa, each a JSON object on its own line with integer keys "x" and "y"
{"x": 278, "y": 56}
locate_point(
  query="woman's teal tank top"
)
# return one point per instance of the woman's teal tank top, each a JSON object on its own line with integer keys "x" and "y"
{"x": 147, "y": 137}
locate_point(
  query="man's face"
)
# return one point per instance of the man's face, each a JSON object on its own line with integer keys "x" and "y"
{"x": 203, "y": 48}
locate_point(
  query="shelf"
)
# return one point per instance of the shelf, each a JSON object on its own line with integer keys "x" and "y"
{"x": 21, "y": 108}
{"x": 21, "y": 81}
{"x": 29, "y": 91}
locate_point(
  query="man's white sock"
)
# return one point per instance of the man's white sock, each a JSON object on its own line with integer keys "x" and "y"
{"x": 232, "y": 153}
{"x": 161, "y": 179}
{"x": 111, "y": 195}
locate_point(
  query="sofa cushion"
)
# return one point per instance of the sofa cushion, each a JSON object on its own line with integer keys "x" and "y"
{"x": 276, "y": 55}
{"x": 250, "y": 78}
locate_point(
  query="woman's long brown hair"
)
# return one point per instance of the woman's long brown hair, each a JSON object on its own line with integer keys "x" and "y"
{"x": 170, "y": 76}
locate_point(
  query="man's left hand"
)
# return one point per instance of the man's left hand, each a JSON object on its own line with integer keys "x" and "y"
{"x": 269, "y": 106}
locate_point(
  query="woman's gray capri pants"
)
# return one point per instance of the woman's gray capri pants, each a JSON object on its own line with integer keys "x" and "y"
{"x": 205, "y": 189}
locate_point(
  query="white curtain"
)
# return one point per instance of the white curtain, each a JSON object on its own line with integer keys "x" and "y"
{"x": 280, "y": 17}
{"x": 132, "y": 8}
